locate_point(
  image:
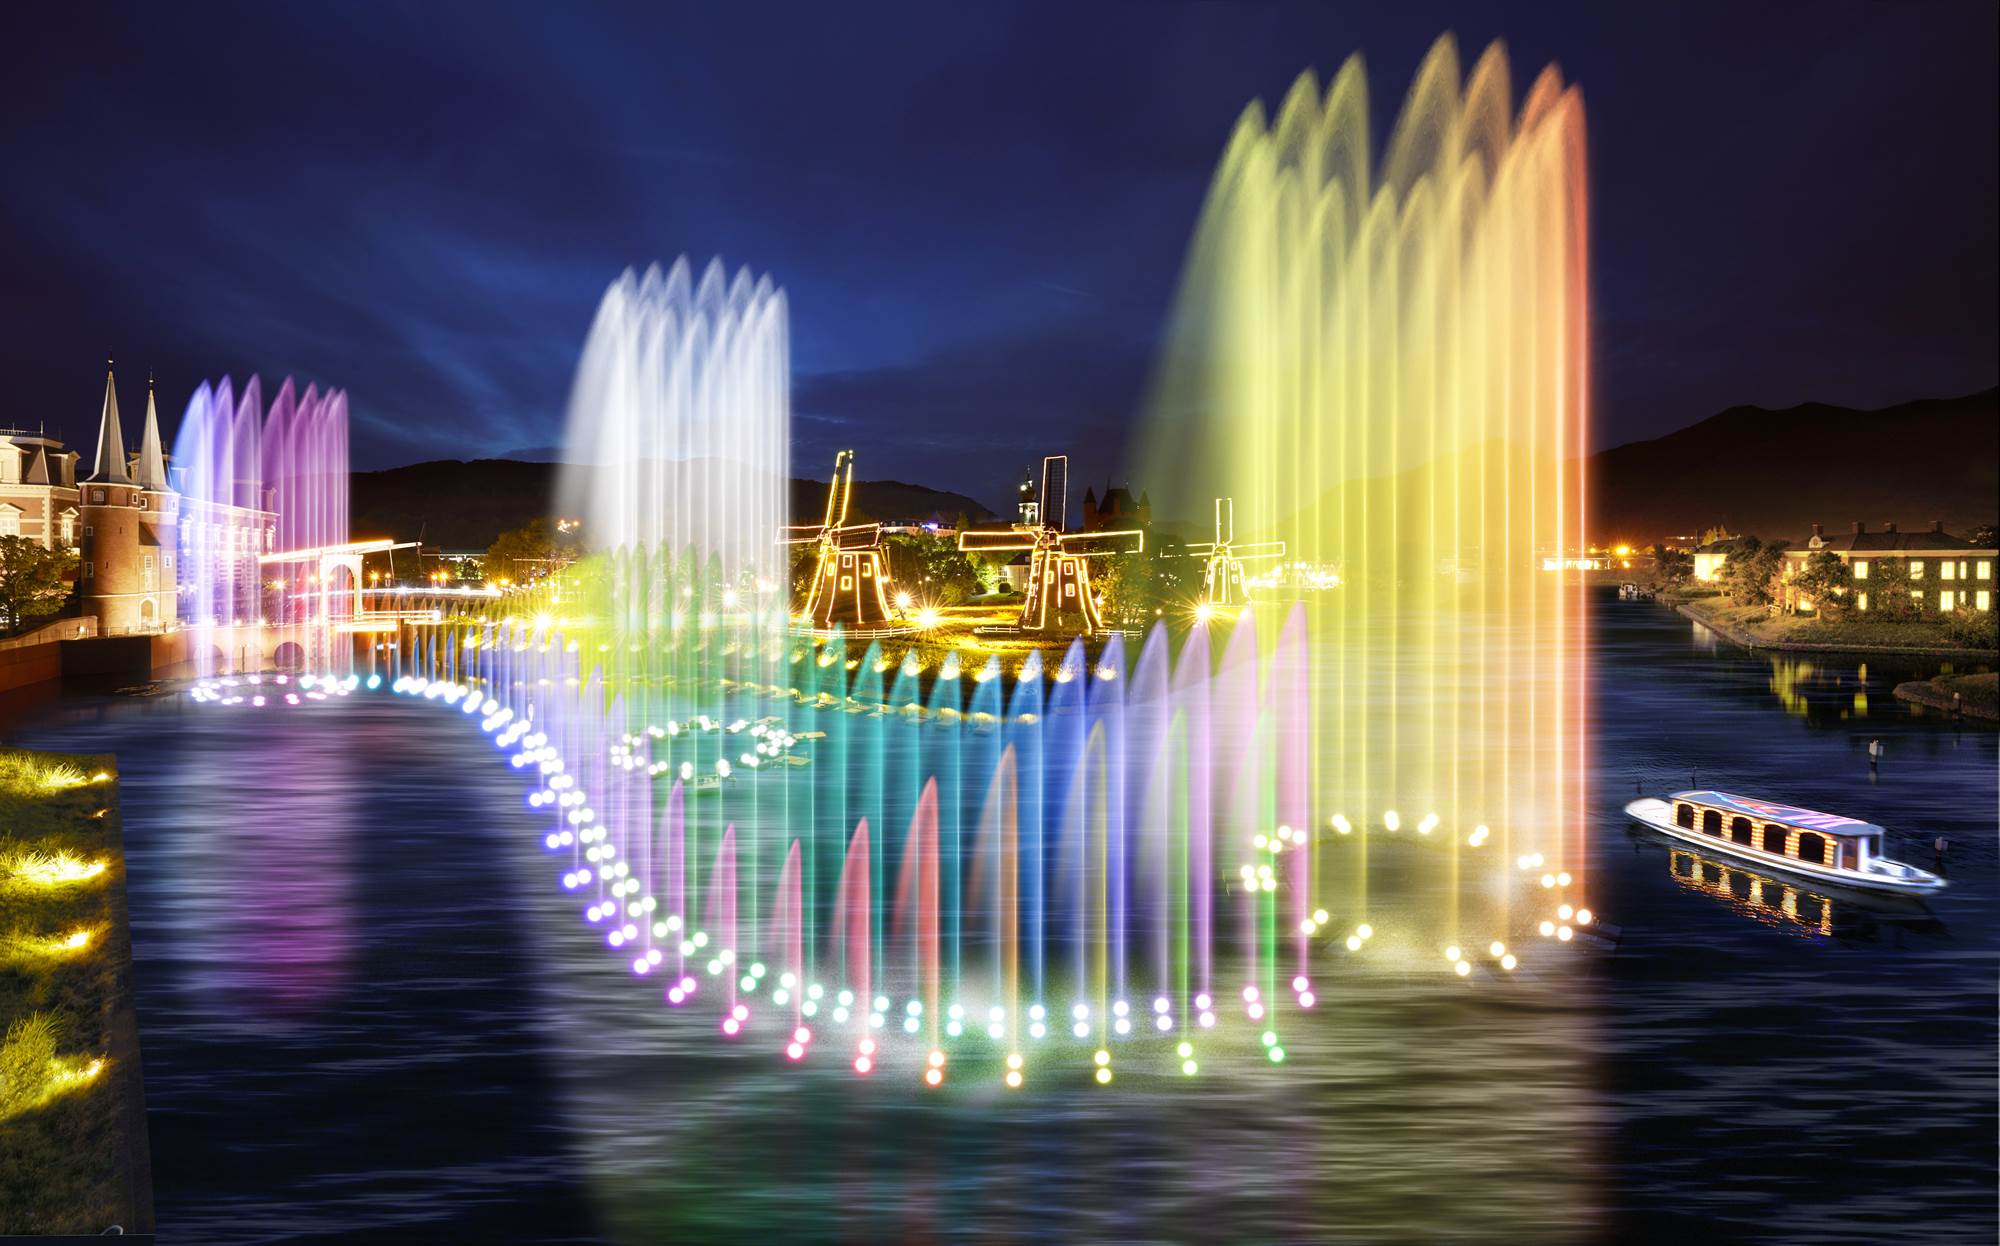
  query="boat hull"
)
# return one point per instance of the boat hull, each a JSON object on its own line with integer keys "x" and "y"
{"x": 1657, "y": 814}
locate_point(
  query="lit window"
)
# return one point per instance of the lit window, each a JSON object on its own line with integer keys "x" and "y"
{"x": 10, "y": 521}
{"x": 846, "y": 582}
{"x": 1946, "y": 569}
{"x": 1861, "y": 601}
{"x": 1985, "y": 570}
{"x": 1861, "y": 568}
{"x": 1917, "y": 595}
{"x": 1947, "y": 599}
{"x": 1916, "y": 568}
{"x": 1983, "y": 600}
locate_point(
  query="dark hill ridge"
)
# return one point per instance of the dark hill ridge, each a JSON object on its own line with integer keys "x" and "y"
{"x": 1775, "y": 473}
{"x": 1771, "y": 473}
{"x": 459, "y": 505}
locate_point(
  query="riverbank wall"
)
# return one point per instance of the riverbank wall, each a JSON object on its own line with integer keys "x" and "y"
{"x": 1738, "y": 635}
{"x": 1964, "y": 696}
{"x": 33, "y": 657}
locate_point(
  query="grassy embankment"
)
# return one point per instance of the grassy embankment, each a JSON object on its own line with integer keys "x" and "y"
{"x": 1758, "y": 627}
{"x": 71, "y": 1132}
{"x": 1974, "y": 696}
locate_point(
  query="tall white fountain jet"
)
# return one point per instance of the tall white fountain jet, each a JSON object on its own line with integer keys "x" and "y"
{"x": 679, "y": 422}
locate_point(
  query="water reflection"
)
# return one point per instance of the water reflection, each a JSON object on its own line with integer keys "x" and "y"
{"x": 463, "y": 1063}
{"x": 1760, "y": 898}
{"x": 1829, "y": 915}
{"x": 1820, "y": 691}
{"x": 266, "y": 856}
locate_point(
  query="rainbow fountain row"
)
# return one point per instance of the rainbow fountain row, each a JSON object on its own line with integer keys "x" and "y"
{"x": 951, "y": 867}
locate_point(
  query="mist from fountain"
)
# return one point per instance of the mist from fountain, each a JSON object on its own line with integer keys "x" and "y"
{"x": 233, "y": 456}
{"x": 1384, "y": 362}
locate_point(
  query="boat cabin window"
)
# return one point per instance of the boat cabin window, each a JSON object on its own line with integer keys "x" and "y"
{"x": 1711, "y": 821}
{"x": 1812, "y": 847}
{"x": 1739, "y": 830}
{"x": 1684, "y": 816}
{"x": 1774, "y": 838}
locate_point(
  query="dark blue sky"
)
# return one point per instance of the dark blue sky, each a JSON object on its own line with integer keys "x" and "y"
{"x": 979, "y": 213}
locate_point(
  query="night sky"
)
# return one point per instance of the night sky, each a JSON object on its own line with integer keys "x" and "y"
{"x": 978, "y": 213}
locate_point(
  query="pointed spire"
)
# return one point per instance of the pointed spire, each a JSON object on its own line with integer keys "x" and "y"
{"x": 110, "y": 437}
{"x": 152, "y": 466}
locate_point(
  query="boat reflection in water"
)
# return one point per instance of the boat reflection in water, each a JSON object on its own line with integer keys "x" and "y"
{"x": 1767, "y": 900}
{"x": 1799, "y": 910}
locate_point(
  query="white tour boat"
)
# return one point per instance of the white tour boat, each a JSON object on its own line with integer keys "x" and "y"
{"x": 1824, "y": 847}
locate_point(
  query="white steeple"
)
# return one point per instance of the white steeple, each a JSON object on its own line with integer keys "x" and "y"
{"x": 152, "y": 467}
{"x": 110, "y": 437}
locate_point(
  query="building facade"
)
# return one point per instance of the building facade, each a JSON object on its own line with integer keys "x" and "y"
{"x": 1939, "y": 572}
{"x": 1117, "y": 510}
{"x": 1709, "y": 559}
{"x": 141, "y": 545}
{"x": 38, "y": 490}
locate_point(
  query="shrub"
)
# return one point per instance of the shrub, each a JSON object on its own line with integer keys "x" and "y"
{"x": 1975, "y": 629}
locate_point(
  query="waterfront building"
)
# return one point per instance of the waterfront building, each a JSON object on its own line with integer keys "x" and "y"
{"x": 38, "y": 497}
{"x": 139, "y": 540}
{"x": 1709, "y": 559}
{"x": 1944, "y": 572}
{"x": 1117, "y": 510}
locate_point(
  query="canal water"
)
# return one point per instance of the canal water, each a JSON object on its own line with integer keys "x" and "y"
{"x": 367, "y": 1014}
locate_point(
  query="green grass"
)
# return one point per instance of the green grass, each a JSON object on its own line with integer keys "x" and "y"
{"x": 64, "y": 1150}
{"x": 1769, "y": 629}
{"x": 1981, "y": 693}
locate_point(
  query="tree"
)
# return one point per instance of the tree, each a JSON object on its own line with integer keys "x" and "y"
{"x": 529, "y": 552}
{"x": 1711, "y": 535}
{"x": 1984, "y": 536}
{"x": 803, "y": 566}
{"x": 1749, "y": 573}
{"x": 991, "y": 568}
{"x": 31, "y": 580}
{"x": 1671, "y": 567}
{"x": 1138, "y": 588}
{"x": 1825, "y": 581}
{"x": 1889, "y": 587}
{"x": 931, "y": 569}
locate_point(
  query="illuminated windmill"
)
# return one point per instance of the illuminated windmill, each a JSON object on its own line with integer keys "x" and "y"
{"x": 1059, "y": 596}
{"x": 1222, "y": 586}
{"x": 847, "y": 586}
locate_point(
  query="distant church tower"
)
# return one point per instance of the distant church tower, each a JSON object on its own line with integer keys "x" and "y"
{"x": 126, "y": 577}
{"x": 1031, "y": 509}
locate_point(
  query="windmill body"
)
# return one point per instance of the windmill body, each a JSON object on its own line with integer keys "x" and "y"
{"x": 1059, "y": 597}
{"x": 1222, "y": 584}
{"x": 848, "y": 585}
